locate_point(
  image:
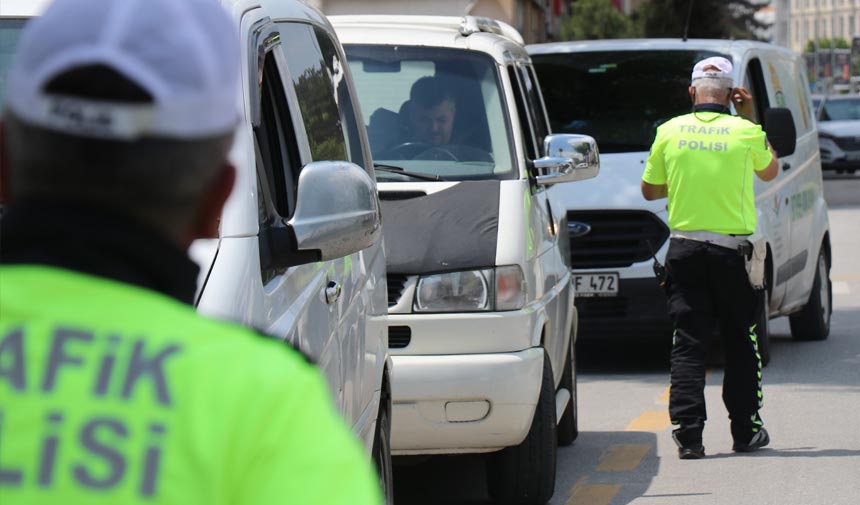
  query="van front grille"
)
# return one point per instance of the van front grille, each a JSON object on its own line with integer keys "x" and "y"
{"x": 618, "y": 238}
{"x": 399, "y": 337}
{"x": 848, "y": 143}
{"x": 601, "y": 307}
{"x": 396, "y": 282}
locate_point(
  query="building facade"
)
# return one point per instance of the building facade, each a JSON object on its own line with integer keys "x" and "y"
{"x": 536, "y": 20}
{"x": 799, "y": 21}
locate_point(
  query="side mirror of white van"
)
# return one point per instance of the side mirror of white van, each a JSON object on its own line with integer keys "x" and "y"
{"x": 337, "y": 213}
{"x": 568, "y": 158}
{"x": 779, "y": 128}
{"x": 337, "y": 209}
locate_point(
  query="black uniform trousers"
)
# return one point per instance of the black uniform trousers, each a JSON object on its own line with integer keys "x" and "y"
{"x": 709, "y": 292}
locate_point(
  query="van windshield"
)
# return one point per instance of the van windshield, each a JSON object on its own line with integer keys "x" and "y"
{"x": 619, "y": 97}
{"x": 432, "y": 111}
{"x": 10, "y": 30}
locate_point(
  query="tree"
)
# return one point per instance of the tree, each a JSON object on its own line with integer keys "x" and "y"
{"x": 596, "y": 19}
{"x": 711, "y": 19}
{"x": 837, "y": 43}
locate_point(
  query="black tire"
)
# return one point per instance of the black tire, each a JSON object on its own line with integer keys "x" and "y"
{"x": 812, "y": 322}
{"x": 568, "y": 427}
{"x": 525, "y": 474}
{"x": 762, "y": 329}
{"x": 382, "y": 450}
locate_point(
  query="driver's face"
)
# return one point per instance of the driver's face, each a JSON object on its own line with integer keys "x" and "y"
{"x": 434, "y": 125}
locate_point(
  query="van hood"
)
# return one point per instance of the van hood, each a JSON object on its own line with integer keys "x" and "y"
{"x": 840, "y": 128}
{"x": 455, "y": 228}
{"x": 617, "y": 186}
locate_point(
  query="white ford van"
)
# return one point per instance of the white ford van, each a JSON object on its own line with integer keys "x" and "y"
{"x": 619, "y": 91}
{"x": 300, "y": 250}
{"x": 480, "y": 300}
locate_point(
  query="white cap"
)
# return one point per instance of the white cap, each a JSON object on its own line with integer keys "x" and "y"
{"x": 185, "y": 53}
{"x": 724, "y": 66}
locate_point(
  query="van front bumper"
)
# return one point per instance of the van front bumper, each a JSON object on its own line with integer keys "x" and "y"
{"x": 445, "y": 404}
{"x": 639, "y": 311}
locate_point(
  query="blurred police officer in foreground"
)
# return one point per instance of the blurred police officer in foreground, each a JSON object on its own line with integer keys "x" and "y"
{"x": 112, "y": 389}
{"x": 704, "y": 163}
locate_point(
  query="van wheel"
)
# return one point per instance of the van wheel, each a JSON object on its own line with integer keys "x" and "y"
{"x": 568, "y": 427}
{"x": 382, "y": 450}
{"x": 762, "y": 329}
{"x": 525, "y": 474}
{"x": 813, "y": 321}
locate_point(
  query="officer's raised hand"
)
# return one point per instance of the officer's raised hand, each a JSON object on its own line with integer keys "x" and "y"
{"x": 743, "y": 101}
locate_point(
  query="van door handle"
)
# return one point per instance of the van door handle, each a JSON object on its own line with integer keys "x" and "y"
{"x": 332, "y": 292}
{"x": 786, "y": 166}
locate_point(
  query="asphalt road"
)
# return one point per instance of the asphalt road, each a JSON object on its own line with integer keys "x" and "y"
{"x": 624, "y": 454}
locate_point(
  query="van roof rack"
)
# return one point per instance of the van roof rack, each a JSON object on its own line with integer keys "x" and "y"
{"x": 477, "y": 24}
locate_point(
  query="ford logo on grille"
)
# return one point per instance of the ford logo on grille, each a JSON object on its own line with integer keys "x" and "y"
{"x": 576, "y": 229}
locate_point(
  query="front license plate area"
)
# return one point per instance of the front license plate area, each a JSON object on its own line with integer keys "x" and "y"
{"x": 592, "y": 285}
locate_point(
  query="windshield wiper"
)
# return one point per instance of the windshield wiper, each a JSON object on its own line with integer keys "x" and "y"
{"x": 407, "y": 173}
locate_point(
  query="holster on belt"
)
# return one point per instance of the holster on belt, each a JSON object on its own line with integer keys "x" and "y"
{"x": 755, "y": 263}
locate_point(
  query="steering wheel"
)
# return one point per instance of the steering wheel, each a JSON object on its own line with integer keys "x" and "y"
{"x": 406, "y": 150}
{"x": 437, "y": 153}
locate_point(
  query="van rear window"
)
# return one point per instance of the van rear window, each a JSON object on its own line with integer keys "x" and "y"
{"x": 620, "y": 97}
{"x": 10, "y": 30}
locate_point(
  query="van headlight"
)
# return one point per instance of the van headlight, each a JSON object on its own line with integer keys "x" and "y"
{"x": 502, "y": 288}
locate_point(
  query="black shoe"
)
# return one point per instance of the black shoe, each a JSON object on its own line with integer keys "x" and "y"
{"x": 758, "y": 440}
{"x": 689, "y": 450}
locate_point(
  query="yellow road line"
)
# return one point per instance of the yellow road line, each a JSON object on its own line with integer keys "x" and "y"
{"x": 847, "y": 277}
{"x": 650, "y": 421}
{"x": 623, "y": 458}
{"x": 583, "y": 493}
{"x": 664, "y": 398}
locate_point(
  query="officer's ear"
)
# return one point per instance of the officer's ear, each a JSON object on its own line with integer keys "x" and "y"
{"x": 208, "y": 216}
{"x": 692, "y": 92}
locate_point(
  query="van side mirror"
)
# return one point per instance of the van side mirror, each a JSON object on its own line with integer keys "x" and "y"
{"x": 780, "y": 131}
{"x": 568, "y": 158}
{"x": 337, "y": 214}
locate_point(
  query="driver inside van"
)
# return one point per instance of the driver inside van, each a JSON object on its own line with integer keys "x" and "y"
{"x": 431, "y": 111}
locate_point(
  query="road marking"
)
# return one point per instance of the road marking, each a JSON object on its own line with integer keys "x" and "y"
{"x": 841, "y": 288}
{"x": 664, "y": 398}
{"x": 623, "y": 458}
{"x": 592, "y": 494}
{"x": 846, "y": 277}
{"x": 650, "y": 421}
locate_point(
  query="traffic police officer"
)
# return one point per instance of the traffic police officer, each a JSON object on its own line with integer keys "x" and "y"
{"x": 704, "y": 163}
{"x": 112, "y": 388}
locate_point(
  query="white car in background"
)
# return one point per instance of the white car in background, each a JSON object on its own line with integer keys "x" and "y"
{"x": 839, "y": 132}
{"x": 299, "y": 255}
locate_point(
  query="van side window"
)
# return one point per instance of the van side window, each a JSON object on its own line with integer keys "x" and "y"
{"x": 800, "y": 84}
{"x": 277, "y": 158}
{"x": 755, "y": 84}
{"x": 536, "y": 107}
{"x": 523, "y": 113}
{"x": 337, "y": 68}
{"x": 314, "y": 80}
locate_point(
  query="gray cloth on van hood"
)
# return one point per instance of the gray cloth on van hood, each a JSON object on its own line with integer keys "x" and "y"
{"x": 453, "y": 229}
